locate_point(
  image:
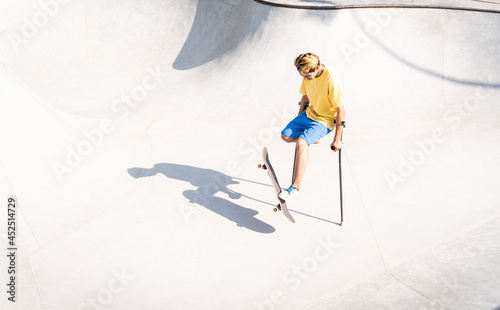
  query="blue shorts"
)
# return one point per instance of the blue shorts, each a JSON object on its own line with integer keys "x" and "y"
{"x": 305, "y": 128}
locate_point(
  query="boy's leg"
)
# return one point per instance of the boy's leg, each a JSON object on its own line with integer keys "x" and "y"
{"x": 300, "y": 159}
{"x": 302, "y": 131}
{"x": 300, "y": 162}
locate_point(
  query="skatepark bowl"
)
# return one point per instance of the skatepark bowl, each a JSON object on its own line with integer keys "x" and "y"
{"x": 131, "y": 132}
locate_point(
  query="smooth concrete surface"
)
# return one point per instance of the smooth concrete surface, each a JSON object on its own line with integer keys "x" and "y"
{"x": 131, "y": 134}
{"x": 457, "y": 275}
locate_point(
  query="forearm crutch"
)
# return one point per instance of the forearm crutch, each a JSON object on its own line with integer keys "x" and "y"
{"x": 340, "y": 177}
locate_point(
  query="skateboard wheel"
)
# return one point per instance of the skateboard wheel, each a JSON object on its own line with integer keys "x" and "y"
{"x": 275, "y": 209}
{"x": 262, "y": 166}
{"x": 278, "y": 207}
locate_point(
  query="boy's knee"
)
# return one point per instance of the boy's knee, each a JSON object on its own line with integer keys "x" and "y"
{"x": 286, "y": 138}
{"x": 302, "y": 143}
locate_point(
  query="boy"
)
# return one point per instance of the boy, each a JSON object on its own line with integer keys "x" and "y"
{"x": 321, "y": 91}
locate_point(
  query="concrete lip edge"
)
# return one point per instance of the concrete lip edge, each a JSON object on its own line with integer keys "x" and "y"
{"x": 481, "y": 6}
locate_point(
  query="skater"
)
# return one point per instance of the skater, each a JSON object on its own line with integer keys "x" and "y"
{"x": 321, "y": 110}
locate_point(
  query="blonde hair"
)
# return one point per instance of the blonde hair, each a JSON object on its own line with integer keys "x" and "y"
{"x": 307, "y": 62}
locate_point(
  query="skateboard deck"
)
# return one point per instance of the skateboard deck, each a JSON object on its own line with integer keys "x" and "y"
{"x": 281, "y": 206}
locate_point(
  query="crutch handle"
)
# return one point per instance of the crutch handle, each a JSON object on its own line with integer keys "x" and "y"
{"x": 343, "y": 125}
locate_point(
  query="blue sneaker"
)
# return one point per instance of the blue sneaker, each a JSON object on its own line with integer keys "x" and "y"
{"x": 291, "y": 193}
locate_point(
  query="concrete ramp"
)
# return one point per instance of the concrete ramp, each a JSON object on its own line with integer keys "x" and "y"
{"x": 131, "y": 135}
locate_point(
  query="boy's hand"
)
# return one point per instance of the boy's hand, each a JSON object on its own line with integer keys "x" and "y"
{"x": 336, "y": 145}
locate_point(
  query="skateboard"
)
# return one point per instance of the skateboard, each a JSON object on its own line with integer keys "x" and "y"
{"x": 281, "y": 206}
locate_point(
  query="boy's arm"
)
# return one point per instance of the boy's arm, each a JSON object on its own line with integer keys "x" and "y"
{"x": 302, "y": 103}
{"x": 337, "y": 140}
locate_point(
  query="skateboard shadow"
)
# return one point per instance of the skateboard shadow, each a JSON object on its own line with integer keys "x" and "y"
{"x": 209, "y": 183}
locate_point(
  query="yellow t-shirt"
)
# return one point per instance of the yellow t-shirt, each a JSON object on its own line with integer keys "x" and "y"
{"x": 325, "y": 96}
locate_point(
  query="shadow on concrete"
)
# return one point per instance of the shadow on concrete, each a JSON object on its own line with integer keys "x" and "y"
{"x": 427, "y": 71}
{"x": 209, "y": 183}
{"x": 314, "y": 217}
{"x": 218, "y": 27}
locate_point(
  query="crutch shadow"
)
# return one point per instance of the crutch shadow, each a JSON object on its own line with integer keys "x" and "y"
{"x": 314, "y": 217}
